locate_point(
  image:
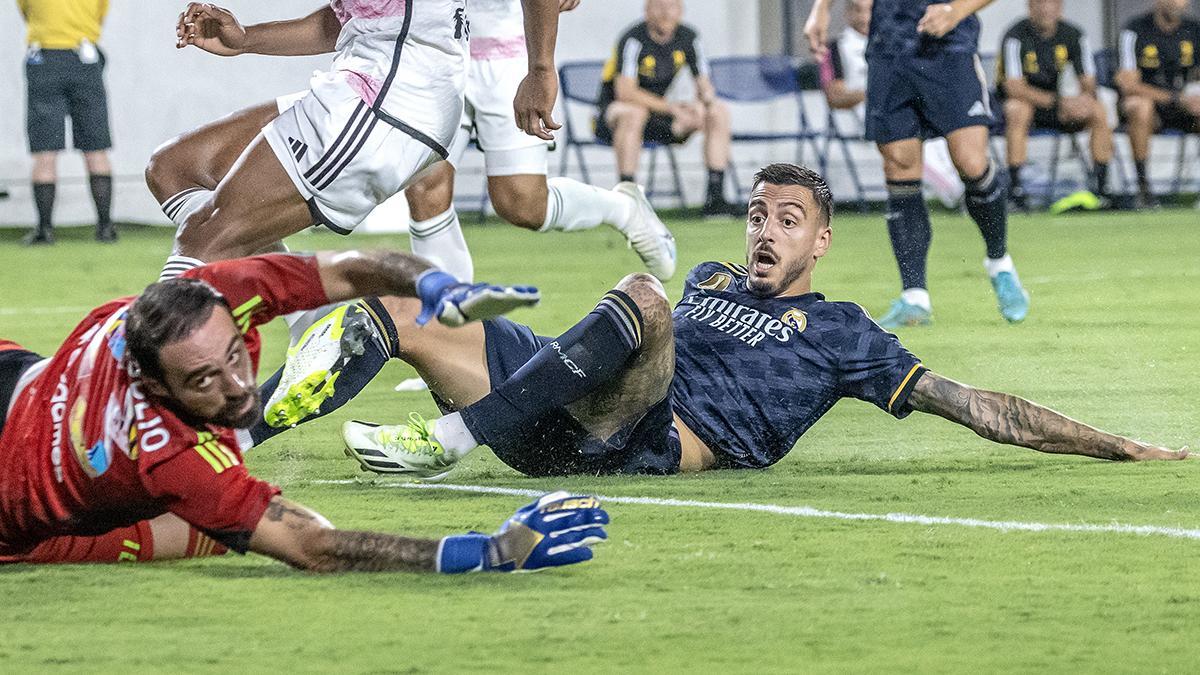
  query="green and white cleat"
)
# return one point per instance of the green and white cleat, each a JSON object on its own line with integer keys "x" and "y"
{"x": 314, "y": 363}
{"x": 407, "y": 449}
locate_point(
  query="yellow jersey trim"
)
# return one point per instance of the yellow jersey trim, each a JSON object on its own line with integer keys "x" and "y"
{"x": 903, "y": 384}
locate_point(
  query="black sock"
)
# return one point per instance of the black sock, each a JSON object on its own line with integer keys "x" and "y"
{"x": 716, "y": 186}
{"x": 628, "y": 178}
{"x": 353, "y": 378}
{"x": 908, "y": 227}
{"x": 1142, "y": 179}
{"x": 43, "y": 197}
{"x": 102, "y": 196}
{"x": 581, "y": 360}
{"x": 1100, "y": 178}
{"x": 987, "y": 207}
{"x": 1014, "y": 177}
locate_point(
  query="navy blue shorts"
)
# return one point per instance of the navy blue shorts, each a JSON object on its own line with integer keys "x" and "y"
{"x": 925, "y": 97}
{"x": 59, "y": 86}
{"x": 558, "y": 444}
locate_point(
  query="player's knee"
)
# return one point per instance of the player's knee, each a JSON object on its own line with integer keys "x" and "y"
{"x": 162, "y": 171}
{"x": 1138, "y": 109}
{"x": 717, "y": 112}
{"x": 648, "y": 294}
{"x": 206, "y": 236}
{"x": 1017, "y": 113}
{"x": 630, "y": 116}
{"x": 431, "y": 195}
{"x": 516, "y": 208}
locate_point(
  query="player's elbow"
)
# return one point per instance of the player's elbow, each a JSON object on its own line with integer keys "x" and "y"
{"x": 316, "y": 551}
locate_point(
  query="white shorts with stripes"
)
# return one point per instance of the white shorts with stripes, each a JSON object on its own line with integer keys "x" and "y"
{"x": 491, "y": 86}
{"x": 344, "y": 157}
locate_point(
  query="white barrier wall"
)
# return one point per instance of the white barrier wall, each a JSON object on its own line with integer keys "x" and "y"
{"x": 157, "y": 91}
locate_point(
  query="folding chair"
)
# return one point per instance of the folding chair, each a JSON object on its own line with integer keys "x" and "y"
{"x": 763, "y": 79}
{"x": 579, "y": 83}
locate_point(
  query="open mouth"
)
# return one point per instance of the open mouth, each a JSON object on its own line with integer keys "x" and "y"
{"x": 762, "y": 261}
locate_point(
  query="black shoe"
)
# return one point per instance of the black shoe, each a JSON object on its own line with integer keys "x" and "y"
{"x": 719, "y": 208}
{"x": 1146, "y": 200}
{"x": 1018, "y": 199}
{"x": 39, "y": 237}
{"x": 106, "y": 233}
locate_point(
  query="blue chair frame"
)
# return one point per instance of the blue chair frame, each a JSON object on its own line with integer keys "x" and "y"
{"x": 763, "y": 79}
{"x": 579, "y": 83}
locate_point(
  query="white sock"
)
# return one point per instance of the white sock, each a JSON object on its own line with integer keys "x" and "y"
{"x": 184, "y": 204}
{"x": 918, "y": 297}
{"x": 572, "y": 206}
{"x": 998, "y": 265}
{"x": 244, "y": 439}
{"x": 440, "y": 241}
{"x": 454, "y": 435}
{"x": 177, "y": 265}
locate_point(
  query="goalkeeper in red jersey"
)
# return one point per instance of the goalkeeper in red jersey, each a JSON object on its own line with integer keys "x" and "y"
{"x": 122, "y": 445}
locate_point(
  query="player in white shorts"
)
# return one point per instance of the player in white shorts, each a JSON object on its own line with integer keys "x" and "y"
{"x": 387, "y": 108}
{"x": 516, "y": 163}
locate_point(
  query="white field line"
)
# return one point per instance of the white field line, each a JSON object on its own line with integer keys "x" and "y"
{"x": 810, "y": 512}
{"x": 25, "y": 311}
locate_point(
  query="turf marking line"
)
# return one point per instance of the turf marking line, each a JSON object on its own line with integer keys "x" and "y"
{"x": 810, "y": 512}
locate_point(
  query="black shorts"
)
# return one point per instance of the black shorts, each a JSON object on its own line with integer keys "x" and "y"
{"x": 1047, "y": 118}
{"x": 658, "y": 130}
{"x": 14, "y": 361}
{"x": 1175, "y": 116}
{"x": 558, "y": 444}
{"x": 58, "y": 85}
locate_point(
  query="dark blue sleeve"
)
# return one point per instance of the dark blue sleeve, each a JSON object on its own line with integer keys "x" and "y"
{"x": 874, "y": 366}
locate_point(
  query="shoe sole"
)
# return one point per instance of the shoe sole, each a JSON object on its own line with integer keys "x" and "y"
{"x": 304, "y": 398}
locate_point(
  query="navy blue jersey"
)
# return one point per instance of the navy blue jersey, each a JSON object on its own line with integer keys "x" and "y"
{"x": 893, "y": 31}
{"x": 752, "y": 374}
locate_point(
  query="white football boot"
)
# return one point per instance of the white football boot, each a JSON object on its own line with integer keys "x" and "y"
{"x": 647, "y": 235}
{"x": 409, "y": 449}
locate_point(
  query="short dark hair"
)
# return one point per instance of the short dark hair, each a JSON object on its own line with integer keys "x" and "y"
{"x": 786, "y": 173}
{"x": 165, "y": 312}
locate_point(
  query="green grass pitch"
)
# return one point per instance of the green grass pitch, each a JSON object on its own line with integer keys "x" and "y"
{"x": 1113, "y": 338}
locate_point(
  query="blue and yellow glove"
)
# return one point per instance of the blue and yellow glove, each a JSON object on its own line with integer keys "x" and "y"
{"x": 557, "y": 529}
{"x": 455, "y": 303}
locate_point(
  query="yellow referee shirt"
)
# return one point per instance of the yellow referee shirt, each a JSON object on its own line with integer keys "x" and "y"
{"x": 63, "y": 24}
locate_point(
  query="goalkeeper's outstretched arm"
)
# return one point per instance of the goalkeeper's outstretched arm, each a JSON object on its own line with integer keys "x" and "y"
{"x": 1009, "y": 419}
{"x": 302, "y": 538}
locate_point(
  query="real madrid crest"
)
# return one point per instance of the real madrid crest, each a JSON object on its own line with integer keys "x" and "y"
{"x": 796, "y": 319}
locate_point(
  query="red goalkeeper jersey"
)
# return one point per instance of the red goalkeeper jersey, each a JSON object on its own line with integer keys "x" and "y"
{"x": 84, "y": 450}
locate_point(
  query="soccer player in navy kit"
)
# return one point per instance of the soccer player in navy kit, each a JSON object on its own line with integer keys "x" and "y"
{"x": 924, "y": 80}
{"x": 750, "y": 359}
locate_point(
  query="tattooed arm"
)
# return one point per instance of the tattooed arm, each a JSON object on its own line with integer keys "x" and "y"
{"x": 1004, "y": 418}
{"x": 304, "y": 539}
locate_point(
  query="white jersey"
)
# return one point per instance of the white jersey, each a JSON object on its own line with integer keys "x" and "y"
{"x": 497, "y": 29}
{"x": 406, "y": 59}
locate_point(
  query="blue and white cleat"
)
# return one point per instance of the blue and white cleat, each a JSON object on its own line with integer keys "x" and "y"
{"x": 409, "y": 449}
{"x": 902, "y": 313}
{"x": 314, "y": 363}
{"x": 1010, "y": 296}
{"x": 647, "y": 234}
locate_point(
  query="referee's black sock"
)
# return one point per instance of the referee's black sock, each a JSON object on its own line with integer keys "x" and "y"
{"x": 1014, "y": 177}
{"x": 580, "y": 361}
{"x": 988, "y": 208}
{"x": 102, "y": 187}
{"x": 1100, "y": 178}
{"x": 909, "y": 230}
{"x": 628, "y": 178}
{"x": 1143, "y": 178}
{"x": 716, "y": 186}
{"x": 43, "y": 198}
